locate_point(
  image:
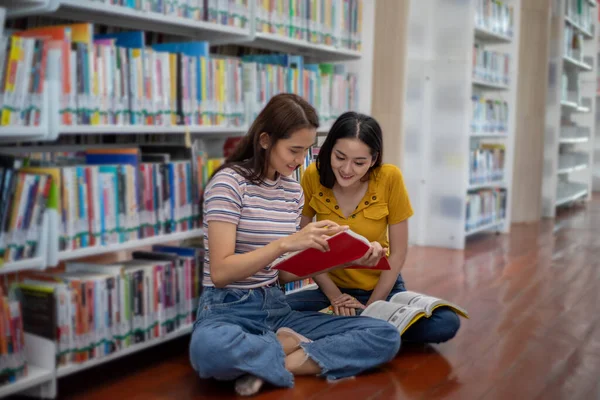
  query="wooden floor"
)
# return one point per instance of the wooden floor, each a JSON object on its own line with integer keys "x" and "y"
{"x": 534, "y": 332}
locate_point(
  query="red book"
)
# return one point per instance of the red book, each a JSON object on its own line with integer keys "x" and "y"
{"x": 343, "y": 247}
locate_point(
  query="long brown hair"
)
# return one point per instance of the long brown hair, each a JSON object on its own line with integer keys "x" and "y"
{"x": 283, "y": 115}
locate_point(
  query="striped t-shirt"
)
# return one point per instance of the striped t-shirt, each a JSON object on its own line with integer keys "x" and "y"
{"x": 262, "y": 213}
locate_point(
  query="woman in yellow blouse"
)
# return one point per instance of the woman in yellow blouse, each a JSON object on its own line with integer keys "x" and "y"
{"x": 350, "y": 186}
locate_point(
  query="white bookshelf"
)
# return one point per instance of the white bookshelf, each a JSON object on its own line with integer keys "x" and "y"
{"x": 132, "y": 244}
{"x": 147, "y": 129}
{"x": 313, "y": 52}
{"x": 439, "y": 135}
{"x": 570, "y": 106}
{"x": 70, "y": 369}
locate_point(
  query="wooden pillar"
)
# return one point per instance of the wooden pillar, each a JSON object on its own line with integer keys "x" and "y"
{"x": 531, "y": 110}
{"x": 389, "y": 65}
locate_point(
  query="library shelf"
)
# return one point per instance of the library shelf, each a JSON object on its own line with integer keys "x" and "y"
{"x": 495, "y": 225}
{"x": 489, "y": 135}
{"x": 574, "y": 139}
{"x": 146, "y": 129}
{"x": 313, "y": 52}
{"x": 40, "y": 260}
{"x": 73, "y": 368}
{"x": 570, "y": 105}
{"x": 570, "y": 169}
{"x": 485, "y": 34}
{"x": 120, "y": 16}
{"x": 575, "y": 25}
{"x": 489, "y": 85}
{"x": 487, "y": 185}
{"x": 97, "y": 250}
{"x": 577, "y": 63}
{"x": 35, "y": 263}
{"x": 35, "y": 376}
{"x": 568, "y": 193}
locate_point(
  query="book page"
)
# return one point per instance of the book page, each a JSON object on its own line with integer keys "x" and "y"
{"x": 401, "y": 316}
{"x": 425, "y": 303}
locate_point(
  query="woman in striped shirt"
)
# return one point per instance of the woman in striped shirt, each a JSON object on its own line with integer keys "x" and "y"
{"x": 245, "y": 330}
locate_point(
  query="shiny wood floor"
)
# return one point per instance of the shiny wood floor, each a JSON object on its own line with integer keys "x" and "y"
{"x": 534, "y": 332}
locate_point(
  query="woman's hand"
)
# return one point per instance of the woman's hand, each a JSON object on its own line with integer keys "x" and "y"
{"x": 312, "y": 235}
{"x": 372, "y": 256}
{"x": 346, "y": 305}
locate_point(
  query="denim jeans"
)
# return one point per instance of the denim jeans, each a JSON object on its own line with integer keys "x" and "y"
{"x": 234, "y": 335}
{"x": 440, "y": 327}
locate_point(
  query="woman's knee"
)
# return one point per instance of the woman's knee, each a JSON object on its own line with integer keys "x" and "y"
{"x": 448, "y": 324}
{"x": 214, "y": 348}
{"x": 386, "y": 340}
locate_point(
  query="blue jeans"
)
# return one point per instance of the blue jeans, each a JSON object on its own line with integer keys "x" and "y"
{"x": 234, "y": 335}
{"x": 440, "y": 327}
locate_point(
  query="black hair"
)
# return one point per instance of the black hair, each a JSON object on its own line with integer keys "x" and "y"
{"x": 350, "y": 125}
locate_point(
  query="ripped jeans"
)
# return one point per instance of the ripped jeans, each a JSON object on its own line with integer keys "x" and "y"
{"x": 234, "y": 335}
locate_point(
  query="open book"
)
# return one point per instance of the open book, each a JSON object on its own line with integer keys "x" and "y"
{"x": 343, "y": 247}
{"x": 405, "y": 308}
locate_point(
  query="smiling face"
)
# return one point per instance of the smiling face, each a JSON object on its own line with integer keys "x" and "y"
{"x": 288, "y": 154}
{"x": 350, "y": 161}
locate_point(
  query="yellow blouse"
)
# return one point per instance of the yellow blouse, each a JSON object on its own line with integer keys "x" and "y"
{"x": 385, "y": 203}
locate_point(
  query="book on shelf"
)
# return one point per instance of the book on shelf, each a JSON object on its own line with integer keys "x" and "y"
{"x": 111, "y": 196}
{"x": 487, "y": 163}
{"x": 495, "y": 16}
{"x": 489, "y": 116}
{"x": 13, "y": 358}
{"x": 25, "y": 194}
{"x": 404, "y": 309}
{"x": 122, "y": 79}
{"x": 344, "y": 247}
{"x": 484, "y": 207}
{"x": 92, "y": 310}
{"x": 335, "y": 23}
{"x": 491, "y": 66}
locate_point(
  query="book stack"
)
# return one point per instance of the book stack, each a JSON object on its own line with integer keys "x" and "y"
{"x": 224, "y": 12}
{"x": 487, "y": 164}
{"x": 24, "y": 196}
{"x": 117, "y": 195}
{"x": 94, "y": 310}
{"x": 13, "y": 360}
{"x": 485, "y": 208}
{"x": 490, "y": 116}
{"x": 335, "y": 23}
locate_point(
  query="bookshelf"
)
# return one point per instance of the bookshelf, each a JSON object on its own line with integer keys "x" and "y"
{"x": 459, "y": 118}
{"x": 321, "y": 44}
{"x": 571, "y": 105}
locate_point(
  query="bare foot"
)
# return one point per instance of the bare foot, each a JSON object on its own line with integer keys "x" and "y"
{"x": 248, "y": 385}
